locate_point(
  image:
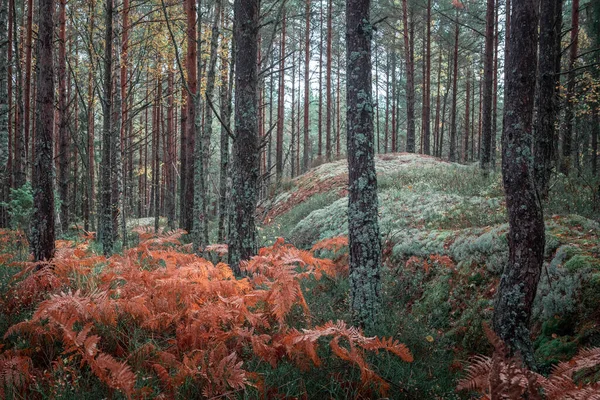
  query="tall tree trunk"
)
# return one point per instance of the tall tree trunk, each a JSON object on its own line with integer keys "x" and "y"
{"x": 427, "y": 85}
{"x": 4, "y": 111}
{"x": 512, "y": 310}
{"x": 363, "y": 227}
{"x": 105, "y": 226}
{"x": 495, "y": 92}
{"x": 226, "y": 91}
{"x": 338, "y": 108}
{"x": 436, "y": 127}
{"x": 394, "y": 141}
{"x": 320, "y": 123}
{"x": 117, "y": 206}
{"x": 242, "y": 238}
{"x": 488, "y": 85}
{"x": 280, "y": 105}
{"x": 9, "y": 70}
{"x": 452, "y": 154}
{"x": 387, "y": 104}
{"x": 306, "y": 145}
{"x": 410, "y": 78}
{"x": 329, "y": 104}
{"x": 26, "y": 111}
{"x": 156, "y": 156}
{"x": 488, "y": 77}
{"x": 567, "y": 131}
{"x": 546, "y": 95}
{"x": 124, "y": 117}
{"x": 188, "y": 146}
{"x": 170, "y": 160}
{"x": 20, "y": 142}
{"x": 465, "y": 155}
{"x": 292, "y": 121}
{"x": 90, "y": 187}
{"x": 42, "y": 227}
{"x": 201, "y": 237}
{"x": 63, "y": 135}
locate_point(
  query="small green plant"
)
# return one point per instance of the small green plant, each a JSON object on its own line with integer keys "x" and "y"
{"x": 20, "y": 207}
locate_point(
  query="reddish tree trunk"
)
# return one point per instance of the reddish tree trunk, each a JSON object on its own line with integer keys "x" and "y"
{"x": 306, "y": 145}
{"x": 42, "y": 229}
{"x": 329, "y": 104}
{"x": 280, "y": 105}
{"x": 63, "y": 135}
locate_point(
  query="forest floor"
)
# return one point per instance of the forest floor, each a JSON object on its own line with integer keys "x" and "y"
{"x": 158, "y": 322}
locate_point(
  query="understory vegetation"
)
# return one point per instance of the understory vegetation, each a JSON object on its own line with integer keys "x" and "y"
{"x": 157, "y": 321}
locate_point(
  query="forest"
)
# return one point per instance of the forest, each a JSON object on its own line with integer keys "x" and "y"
{"x": 299, "y": 199}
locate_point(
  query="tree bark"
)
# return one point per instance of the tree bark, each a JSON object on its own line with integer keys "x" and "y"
{"x": 42, "y": 227}
{"x": 465, "y": 155}
{"x": 4, "y": 111}
{"x": 63, "y": 135}
{"x": 189, "y": 139}
{"x": 427, "y": 85}
{"x": 546, "y": 100}
{"x": 567, "y": 131}
{"x": 242, "y": 238}
{"x": 226, "y": 91}
{"x": 363, "y": 227}
{"x": 512, "y": 310}
{"x": 410, "y": 79}
{"x": 329, "y": 104}
{"x": 105, "y": 226}
{"x": 26, "y": 111}
{"x": 488, "y": 83}
{"x": 280, "y": 105}
{"x": 306, "y": 145}
{"x": 452, "y": 154}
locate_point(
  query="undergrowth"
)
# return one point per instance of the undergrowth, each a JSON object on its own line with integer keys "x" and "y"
{"x": 158, "y": 322}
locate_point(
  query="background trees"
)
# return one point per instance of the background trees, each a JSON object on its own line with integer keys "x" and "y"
{"x": 437, "y": 90}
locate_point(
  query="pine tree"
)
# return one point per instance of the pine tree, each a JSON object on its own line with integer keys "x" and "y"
{"x": 518, "y": 285}
{"x": 43, "y": 220}
{"x": 363, "y": 227}
{"x": 242, "y": 238}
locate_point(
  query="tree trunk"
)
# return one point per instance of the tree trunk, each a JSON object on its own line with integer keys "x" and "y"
{"x": 363, "y": 227}
{"x": 63, "y": 135}
{"x": 4, "y": 111}
{"x": 188, "y": 147}
{"x": 452, "y": 154}
{"x": 427, "y": 85}
{"x": 20, "y": 142}
{"x": 42, "y": 227}
{"x": 394, "y": 99}
{"x": 465, "y": 155}
{"x": 170, "y": 161}
{"x": 320, "y": 123}
{"x": 436, "y": 127}
{"x": 26, "y": 111}
{"x": 488, "y": 85}
{"x": 306, "y": 145}
{"x": 567, "y": 131}
{"x": 546, "y": 95}
{"x": 495, "y": 93}
{"x": 242, "y": 238}
{"x": 410, "y": 79}
{"x": 226, "y": 91}
{"x": 201, "y": 237}
{"x": 512, "y": 310}
{"x": 105, "y": 226}
{"x": 280, "y": 105}
{"x": 329, "y": 104}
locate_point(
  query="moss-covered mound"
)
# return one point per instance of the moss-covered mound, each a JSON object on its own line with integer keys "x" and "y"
{"x": 444, "y": 231}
